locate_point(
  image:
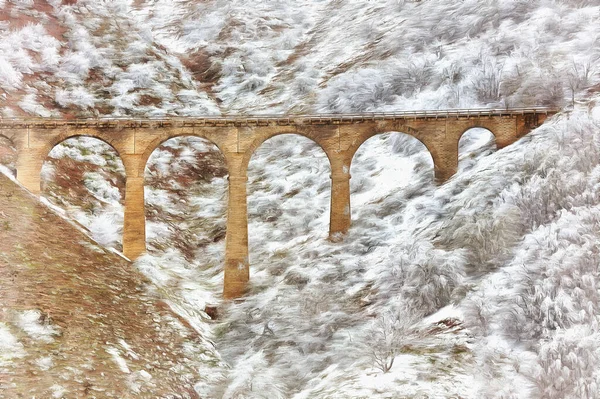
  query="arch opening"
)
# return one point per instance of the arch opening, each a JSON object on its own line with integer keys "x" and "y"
{"x": 85, "y": 177}
{"x": 474, "y": 144}
{"x": 8, "y": 154}
{"x": 386, "y": 170}
{"x": 185, "y": 194}
{"x": 289, "y": 193}
{"x": 249, "y": 154}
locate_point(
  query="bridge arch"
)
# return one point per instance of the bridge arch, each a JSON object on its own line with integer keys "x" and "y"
{"x": 8, "y": 153}
{"x": 193, "y": 168}
{"x": 88, "y": 172}
{"x": 472, "y": 142}
{"x": 474, "y": 129}
{"x": 366, "y": 135}
{"x": 393, "y": 159}
{"x": 7, "y": 138}
{"x": 257, "y": 142}
{"x": 66, "y": 136}
{"x": 92, "y": 133}
{"x": 288, "y": 179}
{"x": 428, "y": 141}
{"x": 157, "y": 142}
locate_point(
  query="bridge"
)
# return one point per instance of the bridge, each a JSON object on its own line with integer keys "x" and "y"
{"x": 339, "y": 135}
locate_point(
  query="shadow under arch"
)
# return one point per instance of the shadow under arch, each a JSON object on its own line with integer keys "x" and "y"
{"x": 186, "y": 197}
{"x": 394, "y": 160}
{"x": 473, "y": 143}
{"x": 86, "y": 176}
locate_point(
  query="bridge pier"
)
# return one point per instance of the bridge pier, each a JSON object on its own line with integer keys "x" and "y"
{"x": 237, "y": 265}
{"x": 444, "y": 153}
{"x": 340, "y": 216}
{"x": 134, "y": 222}
{"x": 29, "y": 169}
{"x": 445, "y": 167}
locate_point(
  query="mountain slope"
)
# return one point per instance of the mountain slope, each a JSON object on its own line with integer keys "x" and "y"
{"x": 79, "y": 321}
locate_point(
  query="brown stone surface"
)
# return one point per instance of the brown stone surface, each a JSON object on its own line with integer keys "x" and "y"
{"x": 97, "y": 303}
{"x": 339, "y": 136}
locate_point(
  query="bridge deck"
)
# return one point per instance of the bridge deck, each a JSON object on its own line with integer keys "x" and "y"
{"x": 270, "y": 120}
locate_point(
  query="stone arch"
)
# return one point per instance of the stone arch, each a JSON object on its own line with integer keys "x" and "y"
{"x": 363, "y": 137}
{"x": 406, "y": 130}
{"x": 201, "y": 166}
{"x": 472, "y": 145}
{"x": 477, "y": 126}
{"x": 16, "y": 141}
{"x": 406, "y": 157}
{"x": 9, "y": 138}
{"x": 261, "y": 140}
{"x": 63, "y": 137}
{"x": 503, "y": 130}
{"x": 471, "y": 129}
{"x": 293, "y": 192}
{"x": 156, "y": 143}
{"x": 92, "y": 134}
{"x": 109, "y": 196}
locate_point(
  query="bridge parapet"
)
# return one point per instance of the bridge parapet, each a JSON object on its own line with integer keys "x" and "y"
{"x": 267, "y": 119}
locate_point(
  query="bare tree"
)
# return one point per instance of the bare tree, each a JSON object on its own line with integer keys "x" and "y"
{"x": 578, "y": 77}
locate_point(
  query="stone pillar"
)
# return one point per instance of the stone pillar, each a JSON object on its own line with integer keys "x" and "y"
{"x": 443, "y": 147}
{"x": 526, "y": 123}
{"x": 29, "y": 168}
{"x": 445, "y": 159}
{"x": 237, "y": 267}
{"x": 134, "y": 224}
{"x": 340, "y": 217}
{"x": 445, "y": 169}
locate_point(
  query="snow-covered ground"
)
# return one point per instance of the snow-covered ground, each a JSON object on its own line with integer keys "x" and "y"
{"x": 484, "y": 287}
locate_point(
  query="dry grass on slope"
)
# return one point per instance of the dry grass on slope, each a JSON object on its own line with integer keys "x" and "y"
{"x": 77, "y": 320}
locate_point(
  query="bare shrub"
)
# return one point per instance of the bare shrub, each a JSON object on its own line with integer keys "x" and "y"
{"x": 386, "y": 338}
{"x": 567, "y": 366}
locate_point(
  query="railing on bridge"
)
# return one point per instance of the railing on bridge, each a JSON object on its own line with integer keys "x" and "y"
{"x": 270, "y": 119}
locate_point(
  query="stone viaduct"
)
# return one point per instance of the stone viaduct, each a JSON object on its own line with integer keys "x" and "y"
{"x": 238, "y": 137}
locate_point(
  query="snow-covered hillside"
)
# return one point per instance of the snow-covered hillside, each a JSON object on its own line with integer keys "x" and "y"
{"x": 484, "y": 287}
{"x": 355, "y": 55}
{"x": 182, "y": 57}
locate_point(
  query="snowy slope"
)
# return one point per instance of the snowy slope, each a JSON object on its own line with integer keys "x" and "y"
{"x": 352, "y": 55}
{"x": 89, "y": 58}
{"x": 157, "y": 57}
